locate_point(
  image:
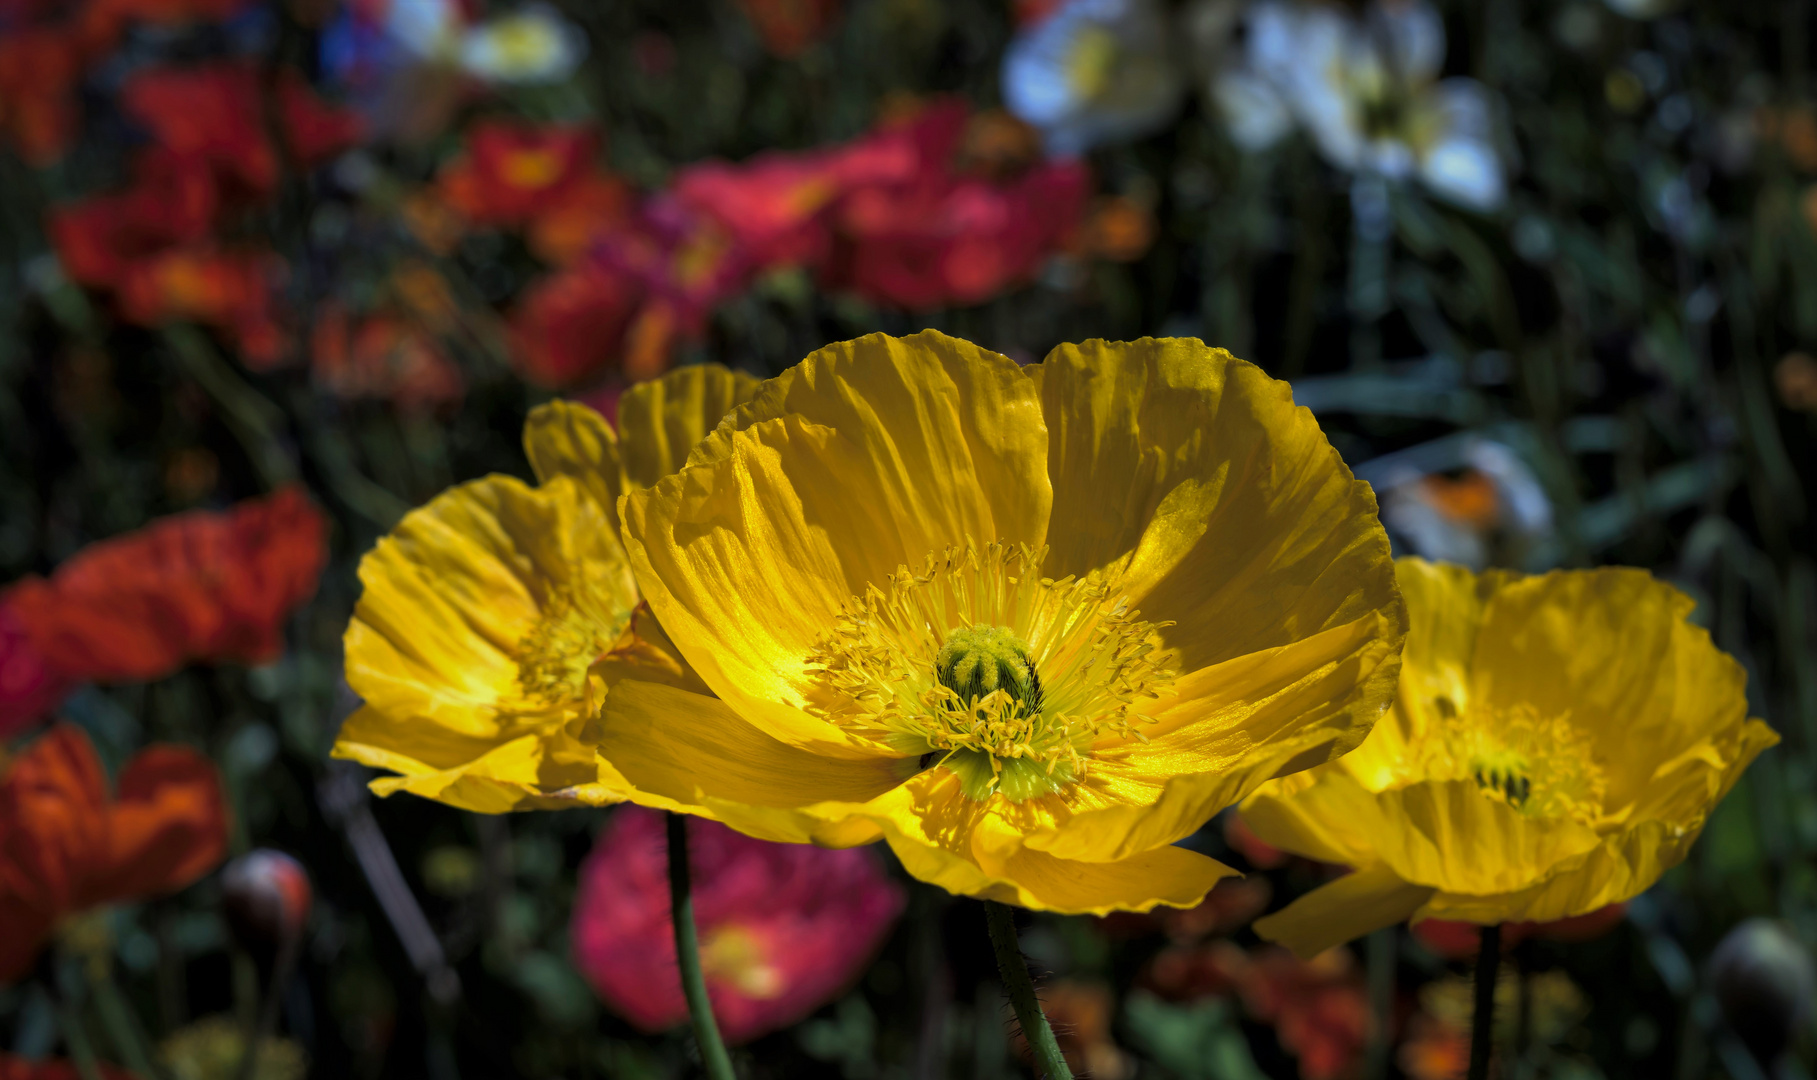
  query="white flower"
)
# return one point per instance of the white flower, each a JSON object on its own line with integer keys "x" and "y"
{"x": 1364, "y": 89}
{"x": 531, "y": 45}
{"x": 1094, "y": 71}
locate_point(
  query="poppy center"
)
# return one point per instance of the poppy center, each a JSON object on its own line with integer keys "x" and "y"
{"x": 573, "y": 632}
{"x": 1540, "y": 766}
{"x": 977, "y": 661}
{"x": 979, "y": 665}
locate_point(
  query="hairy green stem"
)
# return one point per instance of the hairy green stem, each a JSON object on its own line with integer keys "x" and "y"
{"x": 1482, "y": 1024}
{"x": 687, "y": 951}
{"x": 1048, "y": 1060}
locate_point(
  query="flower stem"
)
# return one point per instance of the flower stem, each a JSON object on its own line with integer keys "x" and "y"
{"x": 687, "y": 951}
{"x": 1482, "y": 1025}
{"x": 1048, "y": 1060}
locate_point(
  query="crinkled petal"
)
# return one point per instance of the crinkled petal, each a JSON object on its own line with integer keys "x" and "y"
{"x": 1435, "y": 672}
{"x": 1231, "y": 728}
{"x": 882, "y": 453}
{"x": 438, "y": 643}
{"x": 1611, "y": 649}
{"x": 1239, "y": 522}
{"x": 693, "y": 752}
{"x": 566, "y": 438}
{"x": 661, "y": 421}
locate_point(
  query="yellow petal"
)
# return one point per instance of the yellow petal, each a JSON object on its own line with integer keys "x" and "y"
{"x": 1451, "y": 836}
{"x": 1238, "y": 521}
{"x": 1323, "y": 814}
{"x": 1230, "y": 728}
{"x": 566, "y": 438}
{"x": 693, "y": 752}
{"x": 1347, "y": 908}
{"x": 660, "y": 421}
{"x": 970, "y": 848}
{"x": 956, "y": 431}
{"x": 456, "y": 645}
{"x": 1435, "y": 671}
{"x": 893, "y": 451}
{"x": 645, "y": 653}
{"x": 1609, "y": 648}
{"x": 520, "y": 774}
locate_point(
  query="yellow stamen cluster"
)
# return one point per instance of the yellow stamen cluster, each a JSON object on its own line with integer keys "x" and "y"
{"x": 974, "y": 615}
{"x": 575, "y": 630}
{"x": 1542, "y": 766}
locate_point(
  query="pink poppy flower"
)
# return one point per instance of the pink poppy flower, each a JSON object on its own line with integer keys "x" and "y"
{"x": 783, "y": 927}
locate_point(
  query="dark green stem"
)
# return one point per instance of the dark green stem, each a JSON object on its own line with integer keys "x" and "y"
{"x": 1482, "y": 1024}
{"x": 123, "y": 1027}
{"x": 687, "y": 952}
{"x": 1048, "y": 1060}
{"x": 75, "y": 1039}
{"x": 1381, "y": 960}
{"x": 265, "y": 1021}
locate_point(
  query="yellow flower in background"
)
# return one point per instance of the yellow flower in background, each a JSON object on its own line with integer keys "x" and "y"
{"x": 1556, "y": 744}
{"x": 495, "y": 618}
{"x": 1029, "y": 625}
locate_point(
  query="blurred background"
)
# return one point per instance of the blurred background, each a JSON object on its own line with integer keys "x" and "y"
{"x": 1544, "y": 270}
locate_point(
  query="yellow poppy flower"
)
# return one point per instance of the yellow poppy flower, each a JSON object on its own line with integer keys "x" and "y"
{"x": 1029, "y": 625}
{"x": 494, "y": 618}
{"x": 1556, "y": 745}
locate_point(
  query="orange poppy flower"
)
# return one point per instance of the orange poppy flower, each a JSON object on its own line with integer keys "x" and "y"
{"x": 195, "y": 586}
{"x": 382, "y": 356}
{"x": 65, "y": 846}
{"x": 512, "y": 172}
{"x": 231, "y": 291}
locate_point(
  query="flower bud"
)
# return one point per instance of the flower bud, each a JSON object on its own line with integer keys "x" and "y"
{"x": 267, "y": 896}
{"x": 1763, "y": 979}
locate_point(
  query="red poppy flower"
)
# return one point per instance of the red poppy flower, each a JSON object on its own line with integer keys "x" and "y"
{"x": 29, "y": 686}
{"x": 65, "y": 846}
{"x": 776, "y": 206}
{"x": 39, "y": 67}
{"x": 171, "y": 202}
{"x": 571, "y": 325}
{"x": 230, "y": 290}
{"x": 18, "y": 1068}
{"x": 194, "y": 586}
{"x": 783, "y": 927}
{"x": 382, "y": 357}
{"x": 944, "y": 237}
{"x": 511, "y": 172}
{"x": 788, "y": 27}
{"x": 215, "y": 114}
{"x": 1459, "y": 940}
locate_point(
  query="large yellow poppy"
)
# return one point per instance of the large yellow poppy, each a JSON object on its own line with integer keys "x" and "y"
{"x": 495, "y": 618}
{"x": 1029, "y": 625}
{"x": 1556, "y": 745}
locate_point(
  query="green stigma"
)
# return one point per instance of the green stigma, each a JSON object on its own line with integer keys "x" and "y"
{"x": 977, "y": 660}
